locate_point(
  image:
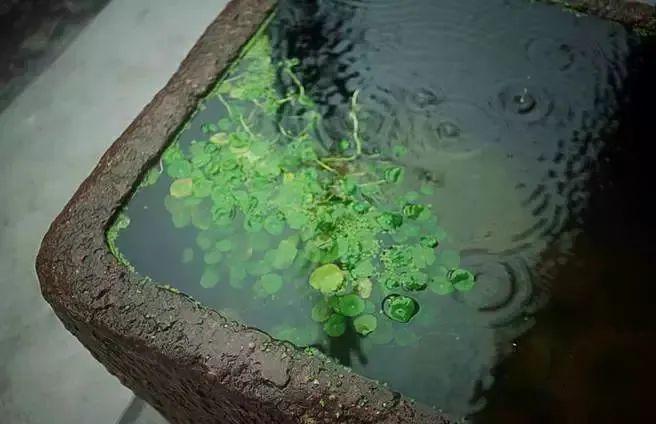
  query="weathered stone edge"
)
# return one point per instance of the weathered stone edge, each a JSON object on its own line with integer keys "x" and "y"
{"x": 190, "y": 363}
{"x": 637, "y": 15}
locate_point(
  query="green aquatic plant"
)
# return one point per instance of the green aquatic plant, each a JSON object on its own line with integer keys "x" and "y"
{"x": 328, "y": 279}
{"x": 121, "y": 222}
{"x": 400, "y": 308}
{"x": 269, "y": 201}
{"x": 365, "y": 324}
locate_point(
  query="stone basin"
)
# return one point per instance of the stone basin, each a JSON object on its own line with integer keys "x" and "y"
{"x": 189, "y": 362}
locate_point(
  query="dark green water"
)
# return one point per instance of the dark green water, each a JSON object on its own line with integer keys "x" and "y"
{"x": 526, "y": 129}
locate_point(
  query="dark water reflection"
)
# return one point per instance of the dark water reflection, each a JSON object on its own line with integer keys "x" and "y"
{"x": 533, "y": 126}
{"x": 533, "y": 123}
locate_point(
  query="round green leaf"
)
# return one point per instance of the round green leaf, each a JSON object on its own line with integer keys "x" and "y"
{"x": 237, "y": 275}
{"x": 224, "y": 245}
{"x": 274, "y": 224}
{"x": 335, "y": 326}
{"x": 181, "y": 188}
{"x": 210, "y": 278}
{"x": 448, "y": 258}
{"x": 271, "y": 283}
{"x": 365, "y": 324}
{"x": 321, "y": 312}
{"x": 213, "y": 257}
{"x": 363, "y": 269}
{"x": 284, "y": 254}
{"x": 440, "y": 285}
{"x": 363, "y": 287}
{"x": 390, "y": 221}
{"x": 179, "y": 168}
{"x": 201, "y": 217}
{"x": 462, "y": 279}
{"x": 400, "y": 308}
{"x": 413, "y": 210}
{"x": 202, "y": 187}
{"x": 220, "y": 139}
{"x": 259, "y": 268}
{"x": 205, "y": 240}
{"x": 350, "y": 305}
{"x": 328, "y": 279}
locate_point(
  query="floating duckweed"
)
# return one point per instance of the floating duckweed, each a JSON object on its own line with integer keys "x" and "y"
{"x": 390, "y": 221}
{"x": 210, "y": 278}
{"x": 412, "y": 210}
{"x": 182, "y": 188}
{"x": 335, "y": 326}
{"x": 271, "y": 283}
{"x": 205, "y": 240}
{"x": 237, "y": 276}
{"x": 321, "y": 312}
{"x": 365, "y": 324}
{"x": 187, "y": 255}
{"x": 274, "y": 224}
{"x": 393, "y": 175}
{"x": 344, "y": 144}
{"x": 179, "y": 168}
{"x": 328, "y": 279}
{"x": 265, "y": 204}
{"x": 440, "y": 285}
{"x": 431, "y": 242}
{"x": 462, "y": 279}
{"x": 213, "y": 257}
{"x": 363, "y": 269}
{"x": 361, "y": 207}
{"x": 400, "y": 308}
{"x": 285, "y": 253}
{"x": 220, "y": 139}
{"x": 363, "y": 287}
{"x": 350, "y": 305}
{"x": 224, "y": 245}
{"x": 208, "y": 128}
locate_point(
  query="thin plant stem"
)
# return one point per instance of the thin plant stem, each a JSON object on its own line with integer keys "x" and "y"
{"x": 227, "y": 106}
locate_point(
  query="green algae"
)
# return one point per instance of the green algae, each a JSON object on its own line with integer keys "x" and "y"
{"x": 267, "y": 199}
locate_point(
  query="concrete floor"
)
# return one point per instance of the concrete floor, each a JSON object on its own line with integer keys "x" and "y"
{"x": 51, "y": 136}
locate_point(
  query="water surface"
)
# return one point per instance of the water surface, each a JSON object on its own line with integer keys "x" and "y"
{"x": 529, "y": 124}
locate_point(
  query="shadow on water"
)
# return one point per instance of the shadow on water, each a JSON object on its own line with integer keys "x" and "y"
{"x": 590, "y": 356}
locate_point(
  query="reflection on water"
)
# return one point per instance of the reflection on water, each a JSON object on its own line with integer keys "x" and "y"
{"x": 526, "y": 121}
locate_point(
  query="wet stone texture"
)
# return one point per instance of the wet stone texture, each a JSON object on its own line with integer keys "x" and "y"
{"x": 190, "y": 363}
{"x": 639, "y": 14}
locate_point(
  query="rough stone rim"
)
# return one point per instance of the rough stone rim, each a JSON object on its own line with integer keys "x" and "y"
{"x": 209, "y": 359}
{"x": 635, "y": 14}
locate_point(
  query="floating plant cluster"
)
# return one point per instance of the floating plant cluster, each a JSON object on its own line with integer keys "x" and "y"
{"x": 270, "y": 203}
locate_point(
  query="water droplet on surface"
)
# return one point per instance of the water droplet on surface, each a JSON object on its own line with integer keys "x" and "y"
{"x": 551, "y": 53}
{"x": 424, "y": 99}
{"x": 448, "y": 130}
{"x": 524, "y": 103}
